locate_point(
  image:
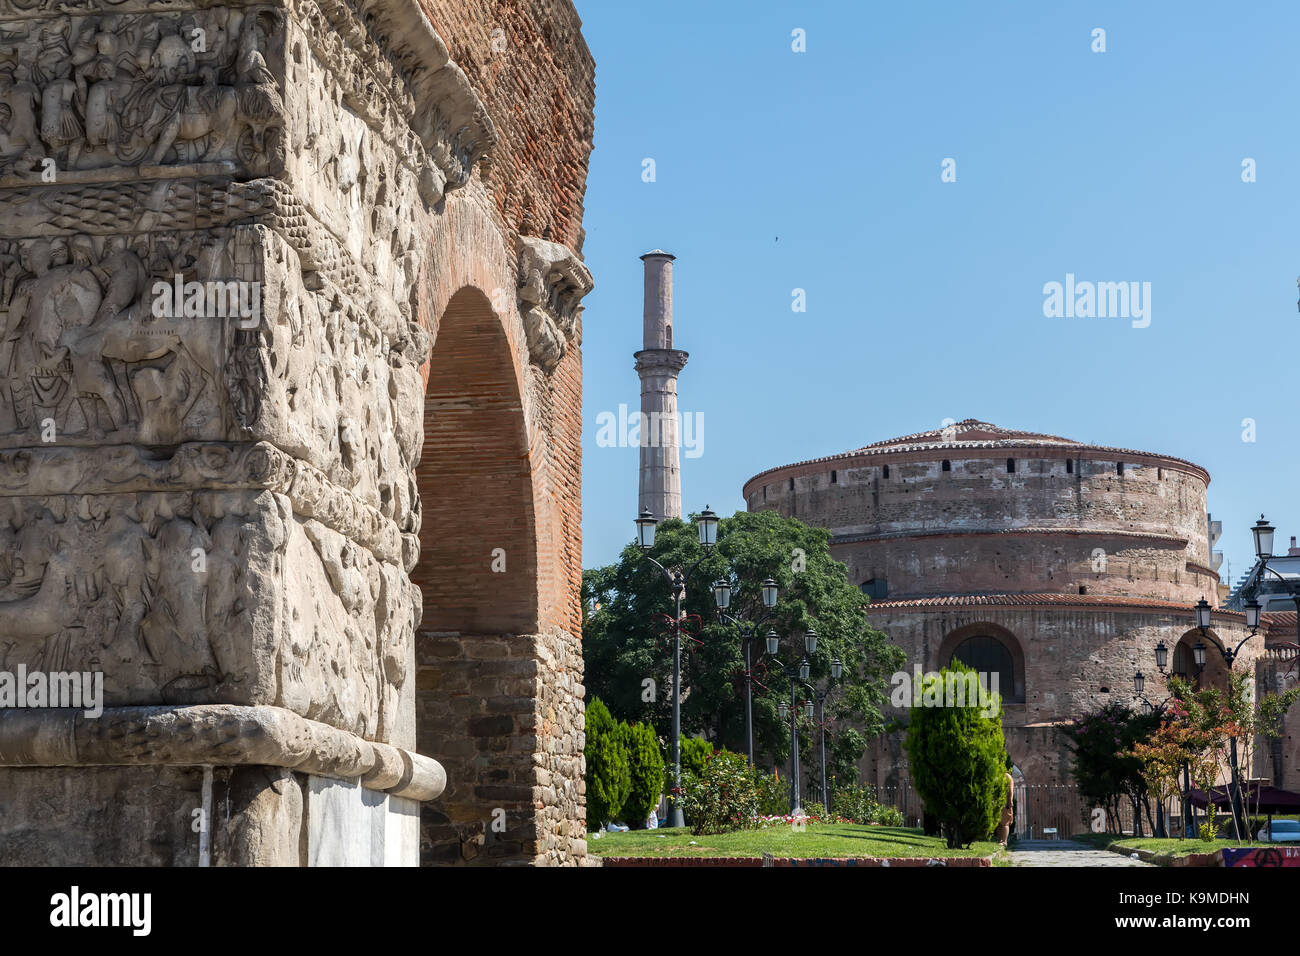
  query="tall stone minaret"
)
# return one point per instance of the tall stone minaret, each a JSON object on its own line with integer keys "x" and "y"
{"x": 658, "y": 364}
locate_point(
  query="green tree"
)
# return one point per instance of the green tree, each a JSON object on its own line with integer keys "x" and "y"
{"x": 1218, "y": 717}
{"x": 609, "y": 772}
{"x": 647, "y": 774}
{"x": 628, "y": 656}
{"x": 958, "y": 760}
{"x": 1106, "y": 766}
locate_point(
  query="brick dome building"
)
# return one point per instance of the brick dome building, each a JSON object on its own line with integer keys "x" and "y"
{"x": 1060, "y": 565}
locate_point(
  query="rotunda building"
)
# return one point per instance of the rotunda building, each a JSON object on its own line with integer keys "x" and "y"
{"x": 1056, "y": 565}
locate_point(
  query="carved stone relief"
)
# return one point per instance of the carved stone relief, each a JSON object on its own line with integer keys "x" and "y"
{"x": 167, "y": 593}
{"x": 552, "y": 283}
{"x": 89, "y": 92}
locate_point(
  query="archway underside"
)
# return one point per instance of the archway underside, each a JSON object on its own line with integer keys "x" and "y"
{"x": 477, "y": 682}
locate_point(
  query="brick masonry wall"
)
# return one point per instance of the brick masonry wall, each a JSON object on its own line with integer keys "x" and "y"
{"x": 1275, "y": 676}
{"x": 1073, "y": 659}
{"x": 499, "y": 663}
{"x": 944, "y": 511}
{"x": 540, "y": 91}
{"x": 1094, "y": 562}
{"x": 1113, "y": 529}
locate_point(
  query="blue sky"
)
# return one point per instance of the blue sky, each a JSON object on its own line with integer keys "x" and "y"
{"x": 821, "y": 170}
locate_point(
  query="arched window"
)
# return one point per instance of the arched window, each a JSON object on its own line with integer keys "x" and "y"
{"x": 1011, "y": 466}
{"x": 884, "y": 472}
{"x": 988, "y": 655}
{"x": 1069, "y": 466}
{"x": 876, "y": 588}
{"x": 947, "y": 465}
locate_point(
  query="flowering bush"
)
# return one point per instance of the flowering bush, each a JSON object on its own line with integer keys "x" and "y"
{"x": 724, "y": 798}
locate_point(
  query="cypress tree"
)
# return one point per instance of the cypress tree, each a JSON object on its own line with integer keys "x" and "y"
{"x": 958, "y": 760}
{"x": 609, "y": 775}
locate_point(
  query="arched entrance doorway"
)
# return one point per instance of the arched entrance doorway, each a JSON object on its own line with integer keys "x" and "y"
{"x": 477, "y": 574}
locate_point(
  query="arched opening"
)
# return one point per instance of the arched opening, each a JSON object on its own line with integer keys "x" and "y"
{"x": 989, "y": 649}
{"x": 1182, "y": 661}
{"x": 477, "y": 574}
{"x": 478, "y": 546}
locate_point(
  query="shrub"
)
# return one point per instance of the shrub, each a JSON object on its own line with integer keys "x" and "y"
{"x": 814, "y": 811}
{"x": 647, "y": 774}
{"x": 1209, "y": 830}
{"x": 724, "y": 798}
{"x": 855, "y": 803}
{"x": 958, "y": 760}
{"x": 773, "y": 794}
{"x": 609, "y": 773}
{"x": 696, "y": 752}
{"x": 890, "y": 817}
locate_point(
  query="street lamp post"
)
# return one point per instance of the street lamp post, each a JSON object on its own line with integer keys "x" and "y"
{"x": 837, "y": 668}
{"x": 645, "y": 531}
{"x": 801, "y": 671}
{"x": 1263, "y": 534}
{"x": 1139, "y": 684}
{"x": 1229, "y": 655}
{"x": 748, "y": 631}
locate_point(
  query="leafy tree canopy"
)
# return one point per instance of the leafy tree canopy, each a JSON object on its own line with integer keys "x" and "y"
{"x": 628, "y": 656}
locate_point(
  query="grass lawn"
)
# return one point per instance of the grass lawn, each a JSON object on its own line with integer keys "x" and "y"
{"x": 822, "y": 840}
{"x": 1169, "y": 847}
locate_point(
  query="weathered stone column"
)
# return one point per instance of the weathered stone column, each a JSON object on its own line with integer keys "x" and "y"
{"x": 658, "y": 364}
{"x": 213, "y": 226}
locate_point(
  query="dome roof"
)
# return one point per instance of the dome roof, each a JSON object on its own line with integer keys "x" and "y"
{"x": 970, "y": 431}
{"x": 977, "y": 436}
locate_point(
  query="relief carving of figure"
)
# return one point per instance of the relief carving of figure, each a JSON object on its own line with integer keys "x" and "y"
{"x": 61, "y": 125}
{"x": 164, "y": 112}
{"x": 20, "y": 103}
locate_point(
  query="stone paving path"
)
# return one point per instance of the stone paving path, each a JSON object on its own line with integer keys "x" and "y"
{"x": 1066, "y": 853}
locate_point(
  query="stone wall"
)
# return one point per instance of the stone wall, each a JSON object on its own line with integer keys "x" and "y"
{"x": 1074, "y": 659}
{"x": 974, "y": 527}
{"x": 214, "y": 501}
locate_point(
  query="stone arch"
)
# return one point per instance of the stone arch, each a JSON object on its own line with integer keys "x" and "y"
{"x": 478, "y": 577}
{"x": 1182, "y": 657}
{"x": 1016, "y": 693}
{"x": 478, "y": 537}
